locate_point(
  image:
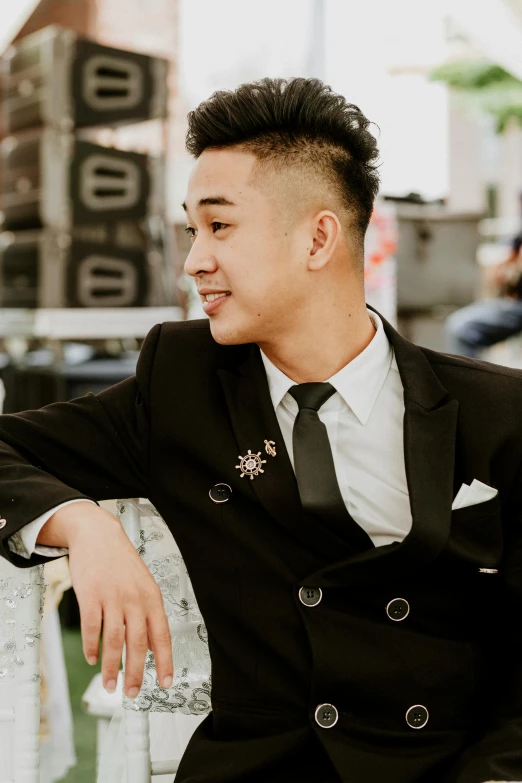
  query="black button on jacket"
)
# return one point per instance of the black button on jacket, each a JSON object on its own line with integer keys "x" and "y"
{"x": 174, "y": 432}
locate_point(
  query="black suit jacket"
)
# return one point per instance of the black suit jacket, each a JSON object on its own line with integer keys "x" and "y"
{"x": 175, "y": 431}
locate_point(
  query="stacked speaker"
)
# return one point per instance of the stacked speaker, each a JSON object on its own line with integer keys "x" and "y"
{"x": 83, "y": 224}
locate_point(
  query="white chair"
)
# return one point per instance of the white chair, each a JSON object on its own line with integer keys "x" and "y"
{"x": 132, "y": 752}
{"x": 173, "y": 713}
{"x": 21, "y": 609}
{"x": 104, "y": 707}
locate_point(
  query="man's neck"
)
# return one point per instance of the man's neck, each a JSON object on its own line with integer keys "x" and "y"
{"x": 319, "y": 354}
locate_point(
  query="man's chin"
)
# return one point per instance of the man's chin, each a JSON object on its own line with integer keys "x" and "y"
{"x": 228, "y": 335}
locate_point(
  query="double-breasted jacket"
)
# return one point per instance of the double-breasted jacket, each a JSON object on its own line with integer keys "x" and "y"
{"x": 401, "y": 663}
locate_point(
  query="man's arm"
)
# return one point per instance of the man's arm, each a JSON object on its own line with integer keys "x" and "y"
{"x": 95, "y": 447}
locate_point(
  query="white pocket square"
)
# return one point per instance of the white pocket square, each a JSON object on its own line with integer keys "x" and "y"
{"x": 471, "y": 494}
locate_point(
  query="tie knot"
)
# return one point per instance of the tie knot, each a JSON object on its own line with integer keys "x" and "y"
{"x": 311, "y": 395}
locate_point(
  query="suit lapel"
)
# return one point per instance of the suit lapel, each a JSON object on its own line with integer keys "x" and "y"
{"x": 430, "y": 420}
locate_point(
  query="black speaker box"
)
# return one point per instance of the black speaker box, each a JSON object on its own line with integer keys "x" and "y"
{"x": 53, "y": 179}
{"x": 103, "y": 267}
{"x": 56, "y": 77}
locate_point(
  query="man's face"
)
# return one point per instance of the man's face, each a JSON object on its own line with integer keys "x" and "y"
{"x": 245, "y": 248}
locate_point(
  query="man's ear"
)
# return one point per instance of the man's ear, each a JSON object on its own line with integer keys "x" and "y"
{"x": 326, "y": 235}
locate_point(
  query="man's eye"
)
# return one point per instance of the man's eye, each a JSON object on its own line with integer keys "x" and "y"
{"x": 216, "y": 226}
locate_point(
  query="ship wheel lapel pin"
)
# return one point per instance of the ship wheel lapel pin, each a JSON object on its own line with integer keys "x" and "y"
{"x": 250, "y": 464}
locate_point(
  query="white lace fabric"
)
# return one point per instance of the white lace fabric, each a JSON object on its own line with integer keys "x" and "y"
{"x": 188, "y": 699}
{"x": 19, "y": 628}
{"x": 190, "y": 691}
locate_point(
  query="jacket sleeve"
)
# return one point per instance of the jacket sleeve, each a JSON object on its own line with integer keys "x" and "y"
{"x": 496, "y": 755}
{"x": 95, "y": 447}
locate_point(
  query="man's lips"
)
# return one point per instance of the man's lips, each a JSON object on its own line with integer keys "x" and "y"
{"x": 210, "y": 307}
{"x": 205, "y": 291}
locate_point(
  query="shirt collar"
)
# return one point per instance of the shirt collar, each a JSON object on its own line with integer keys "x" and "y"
{"x": 358, "y": 382}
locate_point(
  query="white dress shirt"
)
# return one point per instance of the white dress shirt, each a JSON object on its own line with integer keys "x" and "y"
{"x": 364, "y": 422}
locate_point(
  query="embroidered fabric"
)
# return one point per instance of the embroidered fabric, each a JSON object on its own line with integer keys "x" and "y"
{"x": 187, "y": 702}
{"x": 19, "y": 627}
{"x": 21, "y": 611}
{"x": 190, "y": 691}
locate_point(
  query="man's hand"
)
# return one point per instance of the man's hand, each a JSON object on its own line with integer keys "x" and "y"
{"x": 114, "y": 586}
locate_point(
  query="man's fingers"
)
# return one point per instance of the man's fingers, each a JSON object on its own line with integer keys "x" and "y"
{"x": 136, "y": 647}
{"x": 161, "y": 646}
{"x": 90, "y": 623}
{"x": 134, "y": 617}
{"x": 112, "y": 646}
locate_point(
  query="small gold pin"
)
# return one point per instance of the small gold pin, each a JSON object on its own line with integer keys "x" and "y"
{"x": 270, "y": 447}
{"x": 250, "y": 465}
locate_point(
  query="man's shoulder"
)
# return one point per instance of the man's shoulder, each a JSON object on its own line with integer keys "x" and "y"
{"x": 194, "y": 323}
{"x": 193, "y": 340}
{"x": 462, "y": 365}
{"x": 198, "y": 325}
{"x": 480, "y": 383}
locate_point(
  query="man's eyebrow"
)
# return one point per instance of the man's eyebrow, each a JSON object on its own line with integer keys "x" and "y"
{"x": 212, "y": 201}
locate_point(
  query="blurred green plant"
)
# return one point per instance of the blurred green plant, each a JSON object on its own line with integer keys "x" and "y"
{"x": 483, "y": 86}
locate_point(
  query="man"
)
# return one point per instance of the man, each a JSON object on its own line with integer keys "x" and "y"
{"x": 488, "y": 321}
{"x": 306, "y": 458}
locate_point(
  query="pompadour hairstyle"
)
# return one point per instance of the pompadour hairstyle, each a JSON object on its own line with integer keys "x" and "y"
{"x": 295, "y": 121}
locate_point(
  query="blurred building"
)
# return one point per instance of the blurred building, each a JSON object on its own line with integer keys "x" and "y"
{"x": 444, "y": 248}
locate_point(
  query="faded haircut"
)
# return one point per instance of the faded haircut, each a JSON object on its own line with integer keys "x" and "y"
{"x": 296, "y": 124}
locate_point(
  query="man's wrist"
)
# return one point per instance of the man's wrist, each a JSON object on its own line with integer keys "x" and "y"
{"x": 67, "y": 523}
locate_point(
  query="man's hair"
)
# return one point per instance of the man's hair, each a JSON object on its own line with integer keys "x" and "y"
{"x": 298, "y": 121}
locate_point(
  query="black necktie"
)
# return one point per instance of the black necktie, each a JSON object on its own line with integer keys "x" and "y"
{"x": 314, "y": 465}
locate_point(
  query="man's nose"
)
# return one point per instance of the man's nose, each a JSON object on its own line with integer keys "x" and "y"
{"x": 198, "y": 261}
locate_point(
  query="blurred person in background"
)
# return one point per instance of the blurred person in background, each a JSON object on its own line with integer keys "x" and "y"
{"x": 348, "y": 504}
{"x": 488, "y": 321}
